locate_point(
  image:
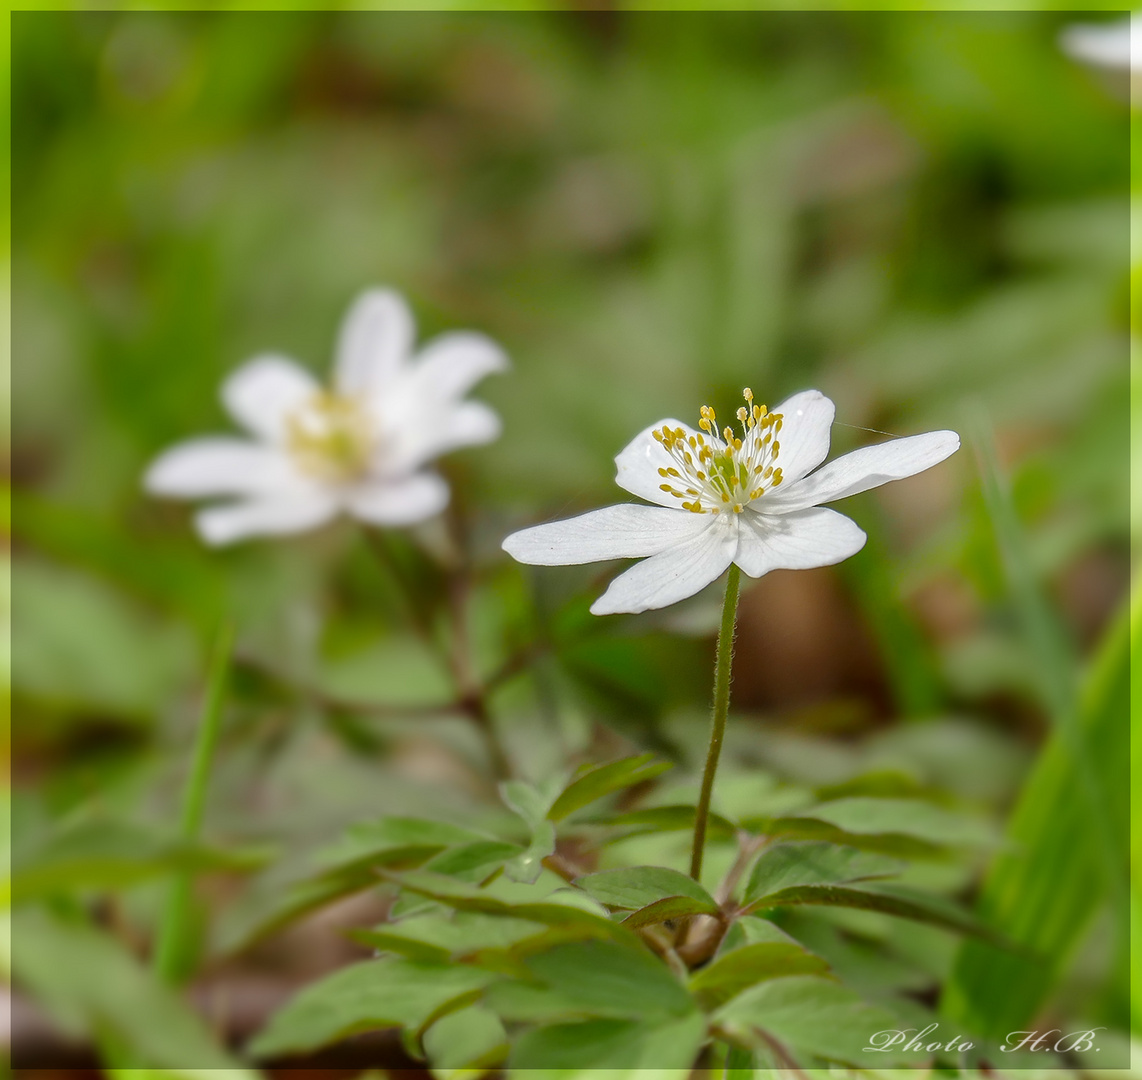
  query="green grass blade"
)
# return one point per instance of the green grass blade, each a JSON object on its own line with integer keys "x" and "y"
{"x": 172, "y": 951}
{"x": 1043, "y": 892}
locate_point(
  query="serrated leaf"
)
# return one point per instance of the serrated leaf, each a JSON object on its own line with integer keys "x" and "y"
{"x": 473, "y": 862}
{"x": 809, "y": 1015}
{"x": 389, "y": 833}
{"x": 364, "y": 997}
{"x": 604, "y": 779}
{"x": 637, "y": 886}
{"x": 667, "y": 819}
{"x": 612, "y": 1044}
{"x": 733, "y": 972}
{"x": 916, "y": 906}
{"x": 556, "y": 910}
{"x": 669, "y": 907}
{"x": 810, "y": 863}
{"x": 593, "y": 979}
{"x": 443, "y": 937}
{"x": 908, "y": 817}
{"x": 808, "y": 828}
{"x": 274, "y": 904}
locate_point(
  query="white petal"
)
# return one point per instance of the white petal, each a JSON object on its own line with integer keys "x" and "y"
{"x": 261, "y": 394}
{"x": 866, "y": 468}
{"x": 450, "y": 365}
{"x": 675, "y": 573}
{"x": 804, "y": 438}
{"x": 1116, "y": 45}
{"x": 399, "y": 502}
{"x": 797, "y": 541}
{"x": 375, "y": 343}
{"x": 219, "y": 466}
{"x": 272, "y": 515}
{"x": 639, "y": 462}
{"x": 627, "y": 531}
{"x": 471, "y": 423}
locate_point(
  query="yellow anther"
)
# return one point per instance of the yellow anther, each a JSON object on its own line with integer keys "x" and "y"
{"x": 742, "y": 414}
{"x": 747, "y": 393}
{"x": 331, "y": 437}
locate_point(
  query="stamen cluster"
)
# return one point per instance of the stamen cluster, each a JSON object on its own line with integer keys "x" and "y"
{"x": 331, "y": 437}
{"x": 723, "y": 472}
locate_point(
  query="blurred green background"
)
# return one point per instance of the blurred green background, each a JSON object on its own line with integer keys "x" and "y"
{"x": 924, "y": 215}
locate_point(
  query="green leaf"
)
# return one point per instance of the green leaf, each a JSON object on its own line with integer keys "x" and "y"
{"x": 908, "y": 817}
{"x": 528, "y": 864}
{"x": 809, "y": 828}
{"x": 736, "y": 971}
{"x": 601, "y": 780}
{"x": 471, "y": 1038}
{"x": 531, "y": 805}
{"x": 612, "y": 1044}
{"x": 390, "y": 833}
{"x": 84, "y": 646}
{"x": 670, "y": 907}
{"x": 526, "y": 800}
{"x": 636, "y": 886}
{"x": 659, "y": 819}
{"x": 363, "y": 997}
{"x": 90, "y": 984}
{"x": 1044, "y": 890}
{"x": 806, "y": 1014}
{"x": 906, "y": 905}
{"x": 808, "y": 863}
{"x": 593, "y": 979}
{"x": 106, "y": 854}
{"x": 473, "y": 862}
{"x": 351, "y": 865}
{"x": 443, "y": 937}
{"x": 563, "y": 910}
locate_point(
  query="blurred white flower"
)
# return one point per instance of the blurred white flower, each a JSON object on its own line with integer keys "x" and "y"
{"x": 359, "y": 448}
{"x": 1114, "y": 47}
{"x": 750, "y": 499}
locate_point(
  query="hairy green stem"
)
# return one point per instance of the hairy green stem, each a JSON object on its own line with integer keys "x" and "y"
{"x": 721, "y": 710}
{"x": 171, "y": 949}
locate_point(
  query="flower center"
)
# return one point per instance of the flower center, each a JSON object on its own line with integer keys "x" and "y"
{"x": 331, "y": 437}
{"x": 715, "y": 472}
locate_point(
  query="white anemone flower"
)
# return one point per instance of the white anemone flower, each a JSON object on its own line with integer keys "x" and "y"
{"x": 750, "y": 499}
{"x": 361, "y": 447}
{"x": 1115, "y": 45}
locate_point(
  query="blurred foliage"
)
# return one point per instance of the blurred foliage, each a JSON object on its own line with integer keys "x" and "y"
{"x": 924, "y": 215}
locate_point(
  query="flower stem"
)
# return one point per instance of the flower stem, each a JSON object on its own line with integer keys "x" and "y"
{"x": 721, "y": 710}
{"x": 172, "y": 951}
